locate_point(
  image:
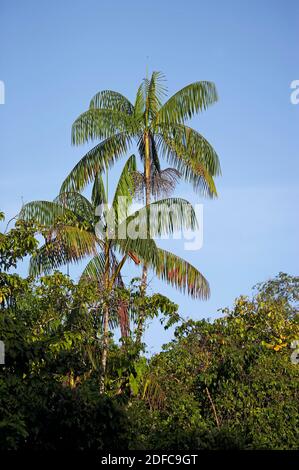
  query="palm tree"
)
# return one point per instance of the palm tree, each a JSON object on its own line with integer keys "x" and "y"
{"x": 76, "y": 228}
{"x": 159, "y": 130}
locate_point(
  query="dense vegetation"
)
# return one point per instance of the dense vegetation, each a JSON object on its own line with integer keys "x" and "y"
{"x": 68, "y": 381}
{"x": 223, "y": 384}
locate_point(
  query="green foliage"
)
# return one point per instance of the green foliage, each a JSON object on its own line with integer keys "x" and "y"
{"x": 17, "y": 243}
{"x": 226, "y": 384}
{"x": 49, "y": 390}
{"x": 229, "y": 384}
{"x": 49, "y": 385}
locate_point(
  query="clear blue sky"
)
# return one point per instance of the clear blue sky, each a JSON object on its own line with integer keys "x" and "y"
{"x": 56, "y": 55}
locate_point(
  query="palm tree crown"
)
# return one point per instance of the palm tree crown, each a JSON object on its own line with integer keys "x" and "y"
{"x": 159, "y": 130}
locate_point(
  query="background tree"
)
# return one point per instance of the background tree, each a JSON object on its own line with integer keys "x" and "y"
{"x": 221, "y": 385}
{"x": 49, "y": 383}
{"x": 226, "y": 384}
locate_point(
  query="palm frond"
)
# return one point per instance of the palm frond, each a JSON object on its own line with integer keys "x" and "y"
{"x": 162, "y": 217}
{"x": 77, "y": 203}
{"x": 189, "y": 144}
{"x": 48, "y": 257}
{"x": 95, "y": 269}
{"x": 44, "y": 212}
{"x": 95, "y": 272}
{"x": 124, "y": 192}
{"x": 123, "y": 318}
{"x": 192, "y": 155}
{"x": 98, "y": 194}
{"x": 102, "y": 124}
{"x": 96, "y": 161}
{"x": 109, "y": 99}
{"x": 67, "y": 245}
{"x": 156, "y": 90}
{"x": 139, "y": 248}
{"x": 154, "y": 155}
{"x": 181, "y": 274}
{"x": 188, "y": 101}
{"x": 139, "y": 106}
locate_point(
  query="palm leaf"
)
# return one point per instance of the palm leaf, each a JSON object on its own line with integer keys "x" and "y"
{"x": 77, "y": 203}
{"x": 108, "y": 99}
{"x": 181, "y": 274}
{"x": 96, "y": 161}
{"x": 192, "y": 155}
{"x": 189, "y": 144}
{"x": 102, "y": 124}
{"x": 188, "y": 101}
{"x": 45, "y": 212}
{"x": 161, "y": 217}
{"x": 50, "y": 256}
{"x": 98, "y": 195}
{"x": 139, "y": 105}
{"x": 65, "y": 244}
{"x": 95, "y": 269}
{"x": 155, "y": 91}
{"x": 142, "y": 249}
{"x": 124, "y": 192}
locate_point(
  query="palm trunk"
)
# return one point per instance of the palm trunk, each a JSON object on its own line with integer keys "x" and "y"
{"x": 147, "y": 173}
{"x": 105, "y": 324}
{"x": 105, "y": 349}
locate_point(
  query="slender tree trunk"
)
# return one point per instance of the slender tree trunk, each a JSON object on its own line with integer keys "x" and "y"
{"x": 213, "y": 408}
{"x": 105, "y": 348}
{"x": 147, "y": 169}
{"x": 147, "y": 173}
{"x": 105, "y": 324}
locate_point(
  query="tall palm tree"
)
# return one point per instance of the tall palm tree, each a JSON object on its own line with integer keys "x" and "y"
{"x": 158, "y": 129}
{"x": 76, "y": 228}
